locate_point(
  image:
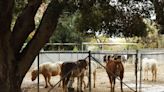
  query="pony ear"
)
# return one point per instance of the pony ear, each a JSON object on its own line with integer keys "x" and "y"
{"x": 109, "y": 57}
{"x": 118, "y": 57}
{"x": 104, "y": 58}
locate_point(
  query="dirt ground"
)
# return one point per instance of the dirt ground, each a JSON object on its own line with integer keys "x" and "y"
{"x": 102, "y": 82}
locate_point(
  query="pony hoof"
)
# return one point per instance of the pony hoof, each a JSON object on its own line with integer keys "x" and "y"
{"x": 70, "y": 89}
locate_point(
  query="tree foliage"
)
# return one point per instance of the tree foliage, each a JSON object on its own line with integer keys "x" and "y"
{"x": 65, "y": 31}
{"x": 114, "y": 19}
{"x": 121, "y": 18}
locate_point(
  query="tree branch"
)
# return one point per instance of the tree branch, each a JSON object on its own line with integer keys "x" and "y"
{"x": 159, "y": 11}
{"x": 42, "y": 35}
{"x": 24, "y": 25}
{"x": 159, "y": 6}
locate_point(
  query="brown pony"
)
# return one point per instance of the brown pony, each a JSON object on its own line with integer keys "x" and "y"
{"x": 70, "y": 70}
{"x": 114, "y": 68}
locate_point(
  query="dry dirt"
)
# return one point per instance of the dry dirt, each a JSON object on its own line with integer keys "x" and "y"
{"x": 102, "y": 82}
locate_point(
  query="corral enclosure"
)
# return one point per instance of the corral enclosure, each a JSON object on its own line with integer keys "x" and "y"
{"x": 102, "y": 81}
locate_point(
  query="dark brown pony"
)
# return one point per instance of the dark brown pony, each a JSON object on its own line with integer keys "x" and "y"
{"x": 69, "y": 70}
{"x": 114, "y": 68}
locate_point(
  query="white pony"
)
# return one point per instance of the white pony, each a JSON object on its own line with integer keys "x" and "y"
{"x": 93, "y": 71}
{"x": 150, "y": 64}
{"x": 47, "y": 69}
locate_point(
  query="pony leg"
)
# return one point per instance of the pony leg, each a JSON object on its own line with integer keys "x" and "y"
{"x": 94, "y": 76}
{"x": 45, "y": 77}
{"x": 63, "y": 82}
{"x": 153, "y": 79}
{"x": 63, "y": 85}
{"x": 121, "y": 78}
{"x": 155, "y": 75}
{"x": 49, "y": 78}
{"x": 59, "y": 82}
{"x": 111, "y": 85}
{"x": 81, "y": 82}
{"x": 152, "y": 75}
{"x": 85, "y": 86}
{"x": 78, "y": 84}
{"x": 70, "y": 82}
{"x": 110, "y": 82}
{"x": 114, "y": 82}
{"x": 145, "y": 74}
{"x": 121, "y": 85}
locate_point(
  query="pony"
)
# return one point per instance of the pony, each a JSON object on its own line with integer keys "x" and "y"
{"x": 114, "y": 69}
{"x": 47, "y": 69}
{"x": 70, "y": 70}
{"x": 93, "y": 71}
{"x": 150, "y": 65}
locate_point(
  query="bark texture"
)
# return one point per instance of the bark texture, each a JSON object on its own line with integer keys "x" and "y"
{"x": 15, "y": 62}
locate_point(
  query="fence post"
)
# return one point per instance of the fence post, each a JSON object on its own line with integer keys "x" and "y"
{"x": 89, "y": 71}
{"x": 136, "y": 69}
{"x": 140, "y": 72}
{"x": 38, "y": 72}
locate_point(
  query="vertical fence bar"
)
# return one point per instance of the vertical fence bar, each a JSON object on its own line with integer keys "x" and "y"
{"x": 136, "y": 69}
{"x": 59, "y": 57}
{"x": 140, "y": 72}
{"x": 89, "y": 71}
{"x": 38, "y": 72}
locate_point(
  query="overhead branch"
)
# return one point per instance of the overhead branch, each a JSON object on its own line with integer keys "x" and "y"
{"x": 42, "y": 35}
{"x": 159, "y": 11}
{"x": 24, "y": 25}
{"x": 159, "y": 6}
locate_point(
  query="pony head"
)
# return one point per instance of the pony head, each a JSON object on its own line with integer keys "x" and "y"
{"x": 82, "y": 63}
{"x": 119, "y": 57}
{"x": 34, "y": 74}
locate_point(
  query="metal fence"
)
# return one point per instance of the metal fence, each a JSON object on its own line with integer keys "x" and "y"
{"x": 133, "y": 77}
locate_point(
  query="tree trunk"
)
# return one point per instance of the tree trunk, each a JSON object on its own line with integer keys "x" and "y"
{"x": 10, "y": 80}
{"x": 15, "y": 63}
{"x": 10, "y": 83}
